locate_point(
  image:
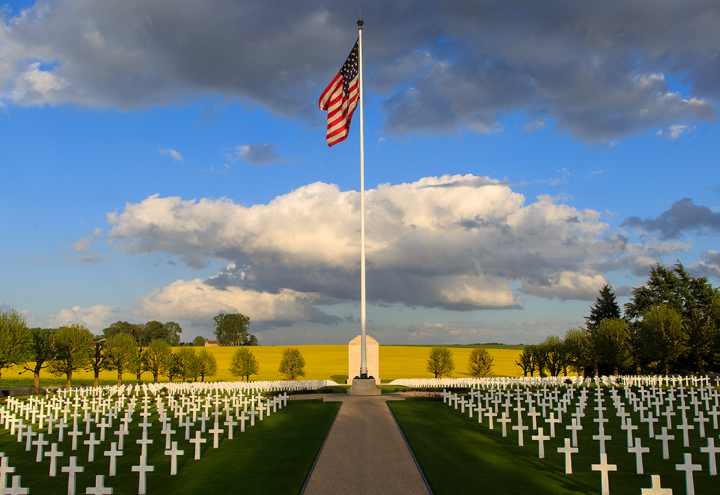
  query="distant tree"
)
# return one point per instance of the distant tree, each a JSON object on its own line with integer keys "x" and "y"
{"x": 480, "y": 363}
{"x": 98, "y": 359}
{"x": 526, "y": 361}
{"x": 250, "y": 340}
{"x": 231, "y": 328}
{"x": 172, "y": 370}
{"x": 578, "y": 345}
{"x": 606, "y": 307}
{"x": 292, "y": 363}
{"x": 153, "y": 330}
{"x": 187, "y": 363}
{"x": 243, "y": 363}
{"x": 556, "y": 357}
{"x": 137, "y": 331}
{"x": 41, "y": 351}
{"x": 157, "y": 358}
{"x": 207, "y": 364}
{"x": 540, "y": 356}
{"x": 173, "y": 333}
{"x": 612, "y": 343}
{"x": 74, "y": 346}
{"x": 198, "y": 341}
{"x": 662, "y": 327}
{"x": 440, "y": 363}
{"x": 137, "y": 365}
{"x": 121, "y": 353}
{"x": 637, "y": 347}
{"x": 15, "y": 339}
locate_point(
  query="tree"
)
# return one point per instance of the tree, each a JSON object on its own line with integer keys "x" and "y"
{"x": 136, "y": 331}
{"x": 606, "y": 307}
{"x": 41, "y": 351}
{"x": 187, "y": 363}
{"x": 555, "y": 355}
{"x": 207, "y": 364}
{"x": 198, "y": 341}
{"x": 137, "y": 365}
{"x": 440, "y": 362}
{"x": 292, "y": 363}
{"x": 579, "y": 349}
{"x": 74, "y": 345}
{"x": 612, "y": 343}
{"x": 153, "y": 330}
{"x": 172, "y": 370}
{"x": 157, "y": 358}
{"x": 231, "y": 328}
{"x": 662, "y": 326}
{"x": 121, "y": 353}
{"x": 526, "y": 361}
{"x": 173, "y": 333}
{"x": 98, "y": 359}
{"x": 14, "y": 339}
{"x": 480, "y": 363}
{"x": 540, "y": 356}
{"x": 636, "y": 346}
{"x": 250, "y": 340}
{"x": 243, "y": 363}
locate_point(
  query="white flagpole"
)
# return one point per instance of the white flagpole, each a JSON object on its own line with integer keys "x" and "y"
{"x": 363, "y": 356}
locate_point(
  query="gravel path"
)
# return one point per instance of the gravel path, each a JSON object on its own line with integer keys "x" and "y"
{"x": 365, "y": 452}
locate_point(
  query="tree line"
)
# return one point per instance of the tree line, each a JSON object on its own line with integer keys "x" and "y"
{"x": 123, "y": 347}
{"x": 670, "y": 325}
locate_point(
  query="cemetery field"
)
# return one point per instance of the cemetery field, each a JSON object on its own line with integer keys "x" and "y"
{"x": 274, "y": 456}
{"x": 322, "y": 362}
{"x": 458, "y": 455}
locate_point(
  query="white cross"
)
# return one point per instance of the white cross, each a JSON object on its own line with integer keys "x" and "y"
{"x": 61, "y": 430}
{"x": 29, "y": 434}
{"x": 40, "y": 443}
{"x": 520, "y": 429}
{"x": 99, "y": 488}
{"x": 685, "y": 427}
{"x": 490, "y": 414}
{"x": 541, "y": 442}
{"x": 72, "y": 470}
{"x": 4, "y": 470}
{"x": 112, "y": 454}
{"x": 102, "y": 425}
{"x": 629, "y": 427}
{"x": 574, "y": 427}
{"x": 121, "y": 433}
{"x": 711, "y": 450}
{"x": 203, "y": 419}
{"x": 504, "y": 420}
{"x": 650, "y": 420}
{"x": 252, "y": 417}
{"x": 143, "y": 469}
{"x": 604, "y": 468}
{"x": 168, "y": 432}
{"x": 174, "y": 453}
{"x": 53, "y": 455}
{"x": 16, "y": 489}
{"x": 602, "y": 438}
{"x": 568, "y": 451}
{"x": 197, "y": 441}
{"x": 75, "y": 433}
{"x": 243, "y": 417}
{"x": 144, "y": 441}
{"x": 553, "y": 421}
{"x": 656, "y": 489}
{"x": 230, "y": 423}
{"x": 216, "y": 432}
{"x": 688, "y": 467}
{"x": 639, "y": 450}
{"x": 701, "y": 420}
{"x": 665, "y": 437}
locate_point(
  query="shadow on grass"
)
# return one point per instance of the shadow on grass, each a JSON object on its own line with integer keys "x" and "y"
{"x": 460, "y": 456}
{"x": 275, "y": 456}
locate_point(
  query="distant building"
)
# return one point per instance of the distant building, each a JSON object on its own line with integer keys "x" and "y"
{"x": 211, "y": 343}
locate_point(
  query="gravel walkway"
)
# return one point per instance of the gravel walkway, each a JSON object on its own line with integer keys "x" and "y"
{"x": 365, "y": 452}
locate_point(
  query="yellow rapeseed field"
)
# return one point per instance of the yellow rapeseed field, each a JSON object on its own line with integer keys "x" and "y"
{"x": 322, "y": 362}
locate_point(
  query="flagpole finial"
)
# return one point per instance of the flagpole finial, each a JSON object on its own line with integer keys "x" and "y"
{"x": 360, "y": 23}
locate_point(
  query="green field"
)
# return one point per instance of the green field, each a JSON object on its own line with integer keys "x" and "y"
{"x": 274, "y": 456}
{"x": 323, "y": 362}
{"x": 459, "y": 456}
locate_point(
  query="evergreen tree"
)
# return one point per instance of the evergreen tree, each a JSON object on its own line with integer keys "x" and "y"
{"x": 606, "y": 307}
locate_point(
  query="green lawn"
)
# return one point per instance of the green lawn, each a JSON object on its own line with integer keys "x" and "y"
{"x": 459, "y": 456}
{"x": 275, "y": 456}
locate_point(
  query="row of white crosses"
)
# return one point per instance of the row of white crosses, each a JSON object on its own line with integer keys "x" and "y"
{"x": 96, "y": 413}
{"x": 677, "y": 409}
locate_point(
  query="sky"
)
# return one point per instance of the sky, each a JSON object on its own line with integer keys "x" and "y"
{"x": 166, "y": 160}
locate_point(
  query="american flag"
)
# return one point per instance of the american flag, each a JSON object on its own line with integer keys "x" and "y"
{"x": 340, "y": 99}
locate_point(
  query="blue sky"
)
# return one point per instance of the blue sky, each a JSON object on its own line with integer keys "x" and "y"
{"x": 167, "y": 161}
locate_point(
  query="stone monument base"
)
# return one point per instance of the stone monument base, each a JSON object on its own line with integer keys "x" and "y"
{"x": 364, "y": 386}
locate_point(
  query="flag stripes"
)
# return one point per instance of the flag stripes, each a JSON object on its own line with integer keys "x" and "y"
{"x": 340, "y": 99}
